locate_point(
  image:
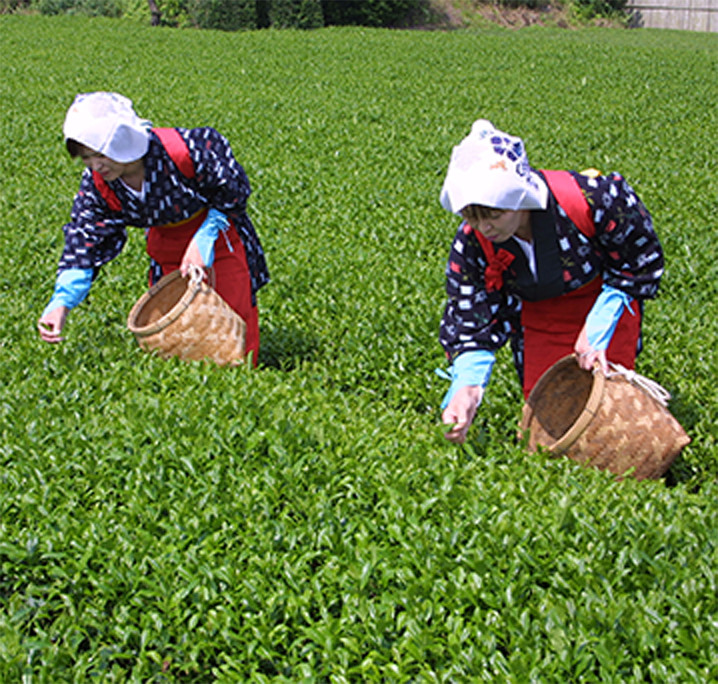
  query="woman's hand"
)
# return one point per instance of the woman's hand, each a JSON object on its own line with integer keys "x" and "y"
{"x": 587, "y": 356}
{"x": 191, "y": 257}
{"x": 461, "y": 411}
{"x": 51, "y": 324}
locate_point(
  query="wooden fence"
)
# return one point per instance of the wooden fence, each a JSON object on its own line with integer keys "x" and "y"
{"x": 684, "y": 15}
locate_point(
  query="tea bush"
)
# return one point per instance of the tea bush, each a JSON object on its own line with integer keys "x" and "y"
{"x": 162, "y": 521}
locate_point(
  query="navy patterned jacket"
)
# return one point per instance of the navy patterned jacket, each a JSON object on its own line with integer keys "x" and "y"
{"x": 625, "y": 252}
{"x": 96, "y": 234}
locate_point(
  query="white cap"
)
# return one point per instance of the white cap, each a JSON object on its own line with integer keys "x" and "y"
{"x": 107, "y": 123}
{"x": 490, "y": 168}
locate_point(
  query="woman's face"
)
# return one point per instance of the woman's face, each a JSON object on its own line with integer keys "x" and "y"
{"x": 109, "y": 169}
{"x": 496, "y": 225}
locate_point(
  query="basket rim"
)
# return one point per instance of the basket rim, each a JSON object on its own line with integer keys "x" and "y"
{"x": 170, "y": 316}
{"x": 566, "y": 441}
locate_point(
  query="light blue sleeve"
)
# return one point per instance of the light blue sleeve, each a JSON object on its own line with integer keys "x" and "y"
{"x": 603, "y": 318}
{"x": 469, "y": 368}
{"x": 207, "y": 233}
{"x": 71, "y": 287}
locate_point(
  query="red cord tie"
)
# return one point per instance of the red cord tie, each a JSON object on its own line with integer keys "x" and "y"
{"x": 493, "y": 275}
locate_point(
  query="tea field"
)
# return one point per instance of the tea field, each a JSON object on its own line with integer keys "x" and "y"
{"x": 307, "y": 521}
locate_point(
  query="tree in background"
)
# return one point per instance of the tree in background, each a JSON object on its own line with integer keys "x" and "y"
{"x": 226, "y": 15}
{"x": 7, "y": 6}
{"x": 155, "y": 15}
{"x": 92, "y": 8}
{"x": 233, "y": 15}
{"x": 370, "y": 12}
{"x": 302, "y": 14}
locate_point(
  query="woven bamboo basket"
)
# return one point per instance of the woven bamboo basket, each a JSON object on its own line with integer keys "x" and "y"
{"x": 615, "y": 422}
{"x": 185, "y": 317}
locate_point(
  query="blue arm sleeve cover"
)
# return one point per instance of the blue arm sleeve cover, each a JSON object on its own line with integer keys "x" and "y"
{"x": 469, "y": 368}
{"x": 71, "y": 287}
{"x": 604, "y": 315}
{"x": 207, "y": 233}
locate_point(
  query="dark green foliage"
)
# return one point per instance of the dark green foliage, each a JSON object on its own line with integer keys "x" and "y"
{"x": 369, "y": 12}
{"x": 174, "y": 12}
{"x": 231, "y": 15}
{"x": 92, "y": 8}
{"x": 56, "y": 6}
{"x": 301, "y": 14}
{"x": 169, "y": 522}
{"x": 7, "y": 6}
{"x": 225, "y": 15}
{"x": 530, "y": 4}
{"x": 600, "y": 8}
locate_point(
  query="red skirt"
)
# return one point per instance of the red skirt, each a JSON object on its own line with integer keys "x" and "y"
{"x": 167, "y": 245}
{"x": 552, "y": 326}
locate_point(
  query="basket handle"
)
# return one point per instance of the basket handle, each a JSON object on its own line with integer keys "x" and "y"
{"x": 650, "y": 387}
{"x": 197, "y": 275}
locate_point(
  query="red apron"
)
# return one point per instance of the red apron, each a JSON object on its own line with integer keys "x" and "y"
{"x": 167, "y": 245}
{"x": 551, "y": 327}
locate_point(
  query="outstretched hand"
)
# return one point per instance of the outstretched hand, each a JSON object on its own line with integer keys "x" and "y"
{"x": 51, "y": 324}
{"x": 461, "y": 411}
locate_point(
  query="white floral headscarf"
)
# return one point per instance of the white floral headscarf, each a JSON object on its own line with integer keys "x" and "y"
{"x": 490, "y": 168}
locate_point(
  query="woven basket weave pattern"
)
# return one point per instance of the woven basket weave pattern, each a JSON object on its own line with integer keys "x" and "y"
{"x": 188, "y": 320}
{"x": 608, "y": 423}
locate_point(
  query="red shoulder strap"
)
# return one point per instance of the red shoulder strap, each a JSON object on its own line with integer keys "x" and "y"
{"x": 106, "y": 191}
{"x": 177, "y": 149}
{"x": 569, "y": 195}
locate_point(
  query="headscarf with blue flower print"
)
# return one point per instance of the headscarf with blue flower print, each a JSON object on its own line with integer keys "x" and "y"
{"x": 490, "y": 168}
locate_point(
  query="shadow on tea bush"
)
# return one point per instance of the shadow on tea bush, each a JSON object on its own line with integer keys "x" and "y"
{"x": 685, "y": 468}
{"x": 285, "y": 348}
